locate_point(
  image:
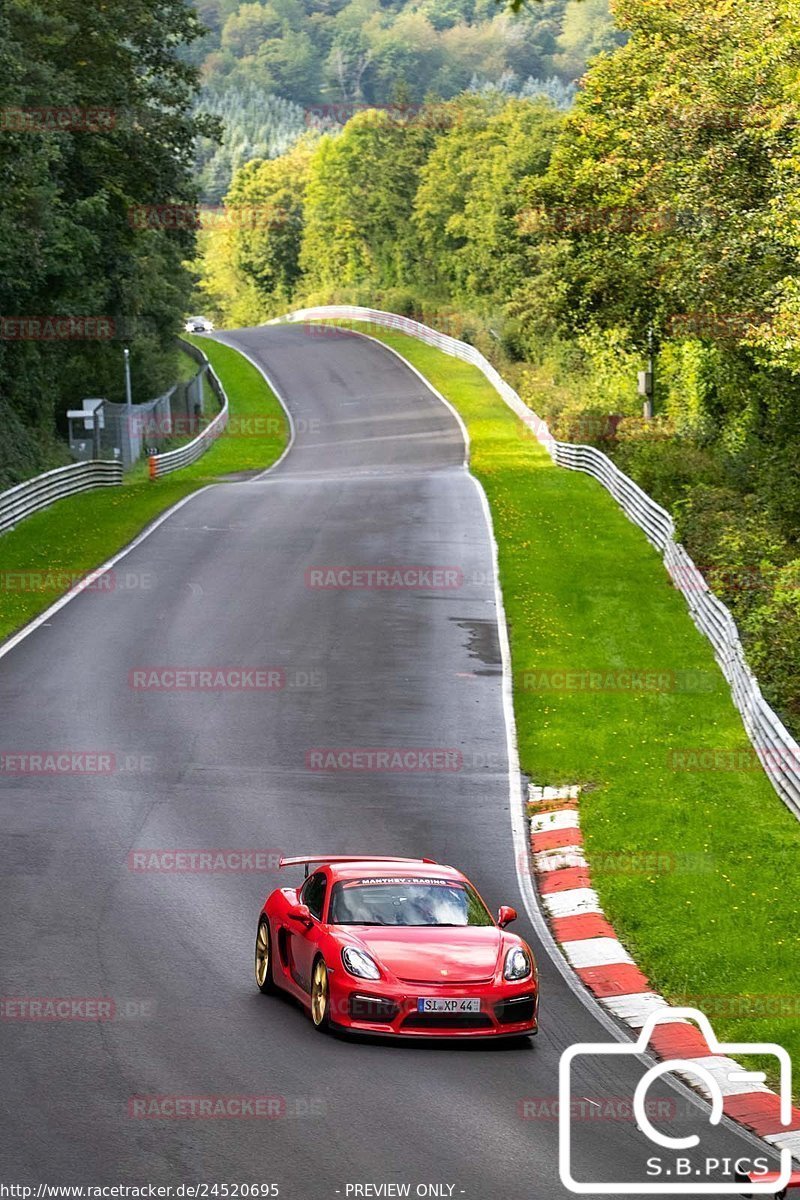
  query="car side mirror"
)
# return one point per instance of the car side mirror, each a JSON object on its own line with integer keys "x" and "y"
{"x": 300, "y": 913}
{"x": 506, "y": 915}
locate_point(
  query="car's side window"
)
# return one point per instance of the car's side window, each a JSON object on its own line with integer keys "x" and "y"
{"x": 313, "y": 894}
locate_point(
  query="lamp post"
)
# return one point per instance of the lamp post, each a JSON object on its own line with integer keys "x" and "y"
{"x": 128, "y": 399}
{"x": 129, "y": 454}
{"x": 647, "y": 379}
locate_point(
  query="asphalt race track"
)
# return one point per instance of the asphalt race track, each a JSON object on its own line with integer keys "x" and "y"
{"x": 375, "y": 477}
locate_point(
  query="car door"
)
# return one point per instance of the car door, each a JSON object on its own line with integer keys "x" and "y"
{"x": 305, "y": 941}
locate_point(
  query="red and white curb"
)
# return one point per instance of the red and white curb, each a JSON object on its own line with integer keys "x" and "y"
{"x": 605, "y": 967}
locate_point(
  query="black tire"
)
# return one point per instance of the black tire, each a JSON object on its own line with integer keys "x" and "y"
{"x": 263, "y": 968}
{"x": 320, "y": 996}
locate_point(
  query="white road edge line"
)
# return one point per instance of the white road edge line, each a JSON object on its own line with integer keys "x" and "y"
{"x": 35, "y": 624}
{"x": 429, "y": 386}
{"x": 220, "y": 338}
{"x": 517, "y": 800}
{"x": 45, "y": 616}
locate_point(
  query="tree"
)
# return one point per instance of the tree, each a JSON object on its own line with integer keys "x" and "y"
{"x": 69, "y": 245}
{"x": 250, "y": 25}
{"x": 470, "y": 191}
{"x": 266, "y": 206}
{"x": 588, "y": 29}
{"x": 670, "y": 169}
{"x": 358, "y": 202}
{"x": 348, "y": 60}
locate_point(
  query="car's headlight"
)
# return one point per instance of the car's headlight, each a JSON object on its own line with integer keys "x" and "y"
{"x": 518, "y": 964}
{"x": 359, "y": 963}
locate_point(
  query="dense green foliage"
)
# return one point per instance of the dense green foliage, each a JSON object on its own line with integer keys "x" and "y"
{"x": 273, "y": 68}
{"x": 402, "y": 202}
{"x": 73, "y": 537}
{"x": 567, "y": 582}
{"x": 317, "y": 51}
{"x": 255, "y": 125}
{"x": 671, "y": 200}
{"x": 68, "y": 246}
{"x": 666, "y": 197}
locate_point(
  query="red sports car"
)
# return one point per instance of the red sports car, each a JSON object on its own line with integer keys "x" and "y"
{"x": 396, "y": 946}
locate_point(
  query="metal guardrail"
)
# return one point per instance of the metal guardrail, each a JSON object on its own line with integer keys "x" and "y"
{"x": 40, "y": 492}
{"x": 777, "y": 750}
{"x": 184, "y": 456}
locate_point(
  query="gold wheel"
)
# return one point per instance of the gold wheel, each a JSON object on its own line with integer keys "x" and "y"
{"x": 319, "y": 994}
{"x": 263, "y": 972}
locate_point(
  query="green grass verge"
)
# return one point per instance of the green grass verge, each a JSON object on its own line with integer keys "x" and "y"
{"x": 717, "y": 923}
{"x": 76, "y": 535}
{"x": 187, "y": 367}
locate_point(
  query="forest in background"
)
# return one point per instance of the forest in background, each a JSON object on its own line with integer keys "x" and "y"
{"x": 96, "y": 124}
{"x": 107, "y": 143}
{"x": 272, "y": 69}
{"x": 666, "y": 198}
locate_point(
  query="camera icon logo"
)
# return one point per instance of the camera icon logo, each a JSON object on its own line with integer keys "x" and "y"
{"x": 710, "y": 1081}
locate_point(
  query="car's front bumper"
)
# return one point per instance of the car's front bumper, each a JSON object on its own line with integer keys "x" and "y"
{"x": 387, "y": 1009}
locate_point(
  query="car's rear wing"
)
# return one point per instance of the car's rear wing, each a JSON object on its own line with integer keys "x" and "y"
{"x": 305, "y": 860}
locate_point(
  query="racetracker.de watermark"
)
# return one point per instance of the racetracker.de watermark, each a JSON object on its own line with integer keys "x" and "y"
{"x": 171, "y": 861}
{"x": 60, "y": 580}
{"x": 691, "y": 118}
{"x": 177, "y": 217}
{"x": 207, "y": 679}
{"x": 57, "y": 1008}
{"x": 720, "y": 327}
{"x": 742, "y": 758}
{"x": 56, "y": 119}
{"x": 61, "y": 1009}
{"x": 597, "y": 1108}
{"x": 624, "y": 679}
{"x": 763, "y": 1004}
{"x": 615, "y": 219}
{"x": 616, "y": 862}
{"x": 389, "y": 759}
{"x": 57, "y": 328}
{"x": 224, "y": 1107}
{"x": 57, "y": 762}
{"x": 427, "y": 116}
{"x": 163, "y": 428}
{"x": 76, "y": 762}
{"x": 323, "y": 327}
{"x": 194, "y": 1108}
{"x": 384, "y": 578}
{"x": 583, "y": 427}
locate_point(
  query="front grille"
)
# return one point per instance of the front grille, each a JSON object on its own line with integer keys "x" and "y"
{"x": 521, "y": 1008}
{"x": 449, "y": 982}
{"x": 372, "y": 1008}
{"x": 448, "y": 1021}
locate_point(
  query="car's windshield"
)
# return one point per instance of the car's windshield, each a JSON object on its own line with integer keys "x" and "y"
{"x": 406, "y": 902}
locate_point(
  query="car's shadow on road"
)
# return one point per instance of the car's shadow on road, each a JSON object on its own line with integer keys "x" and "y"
{"x": 442, "y": 1044}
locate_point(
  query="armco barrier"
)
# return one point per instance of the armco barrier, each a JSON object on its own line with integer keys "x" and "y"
{"x": 173, "y": 460}
{"x": 777, "y": 750}
{"x": 43, "y": 490}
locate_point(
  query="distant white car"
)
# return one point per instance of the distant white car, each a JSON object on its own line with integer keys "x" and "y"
{"x": 199, "y": 325}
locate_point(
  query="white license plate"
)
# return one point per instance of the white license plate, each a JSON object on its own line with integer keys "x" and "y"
{"x": 458, "y": 1004}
